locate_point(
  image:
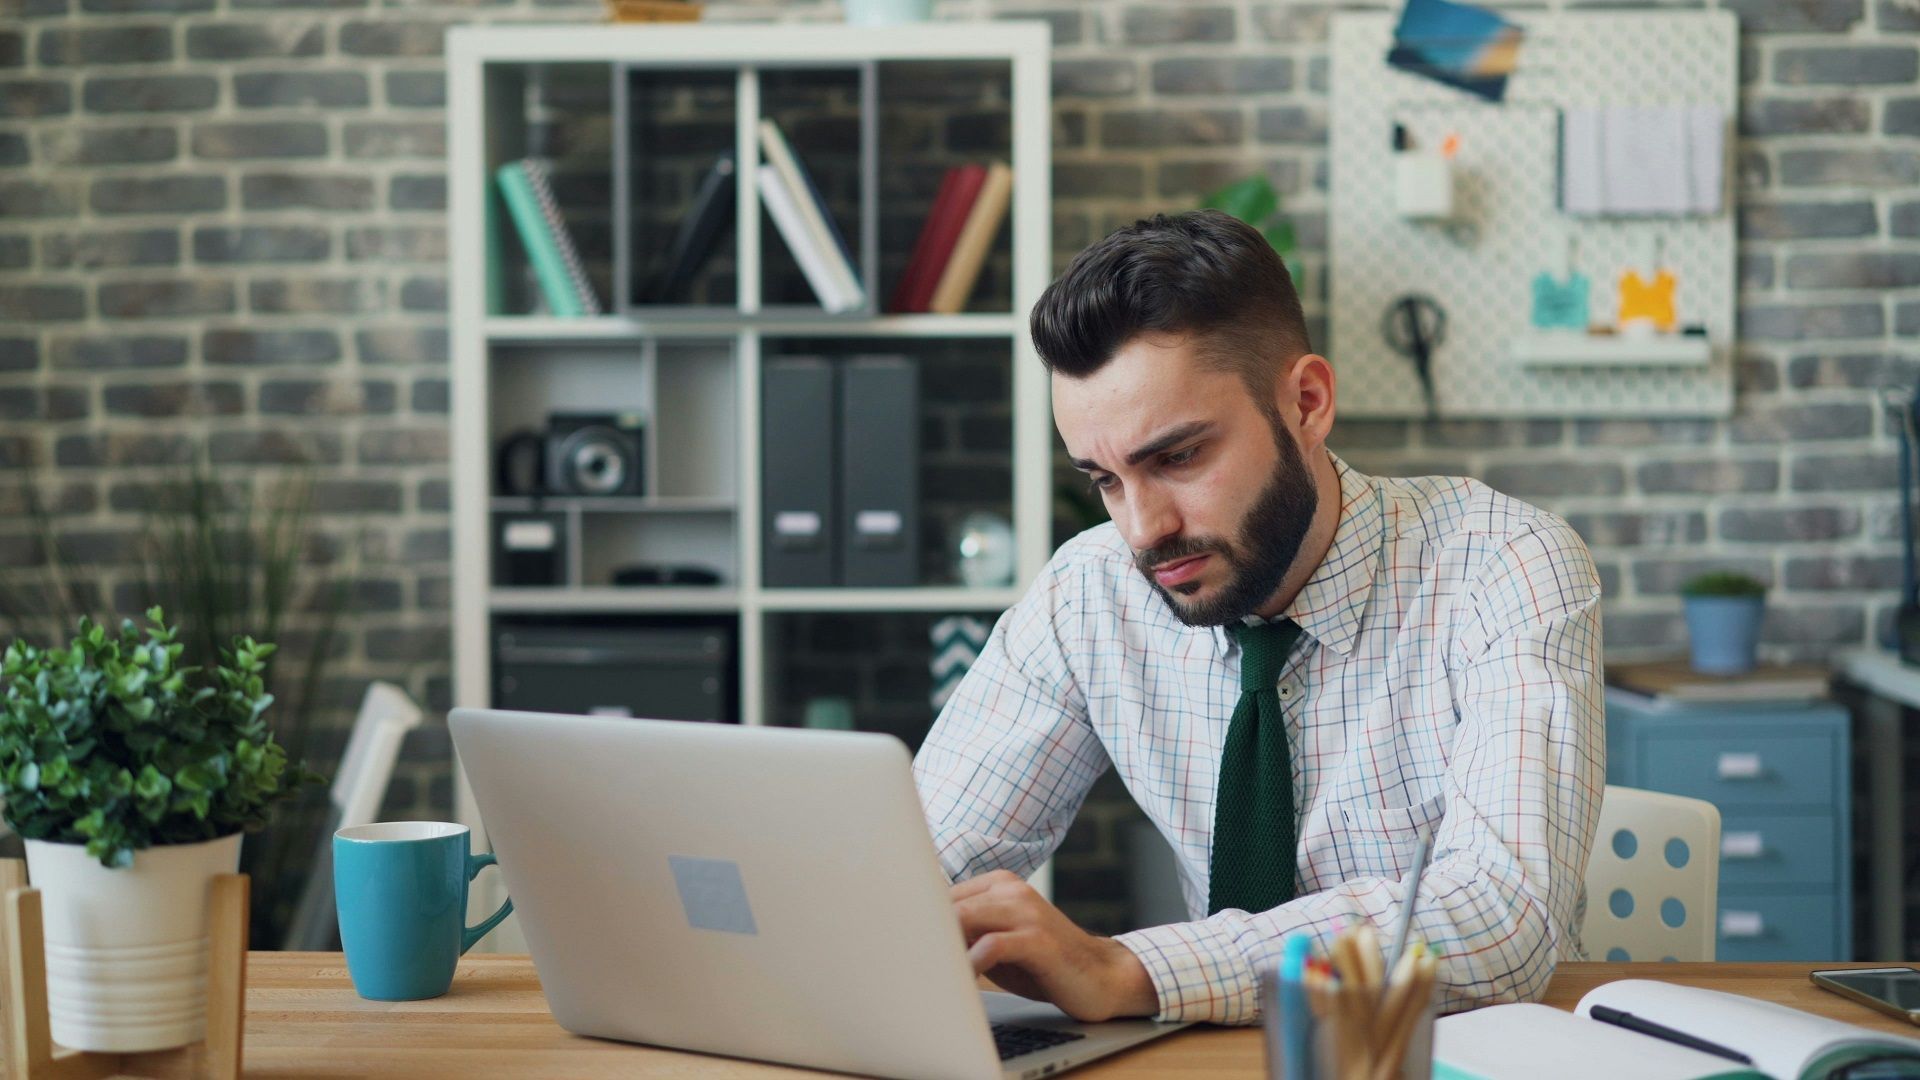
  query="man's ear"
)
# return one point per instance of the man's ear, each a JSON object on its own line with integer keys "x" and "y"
{"x": 1305, "y": 396}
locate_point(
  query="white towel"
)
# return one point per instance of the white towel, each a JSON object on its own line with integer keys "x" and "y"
{"x": 1581, "y": 189}
{"x": 1706, "y": 158}
{"x": 1645, "y": 150}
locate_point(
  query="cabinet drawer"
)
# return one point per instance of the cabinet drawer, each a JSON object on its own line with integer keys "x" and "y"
{"x": 1731, "y": 769}
{"x": 1774, "y": 850}
{"x": 1792, "y": 926}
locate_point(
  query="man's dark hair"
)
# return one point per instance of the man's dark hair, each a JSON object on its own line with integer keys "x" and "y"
{"x": 1203, "y": 273}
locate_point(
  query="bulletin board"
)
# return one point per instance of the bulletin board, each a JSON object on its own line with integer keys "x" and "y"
{"x": 1506, "y": 179}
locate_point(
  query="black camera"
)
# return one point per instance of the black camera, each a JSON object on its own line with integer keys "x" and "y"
{"x": 591, "y": 454}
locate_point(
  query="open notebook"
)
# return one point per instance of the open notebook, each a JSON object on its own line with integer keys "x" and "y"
{"x": 1512, "y": 1041}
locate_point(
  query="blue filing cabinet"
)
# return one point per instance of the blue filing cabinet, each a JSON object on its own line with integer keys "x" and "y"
{"x": 1780, "y": 776}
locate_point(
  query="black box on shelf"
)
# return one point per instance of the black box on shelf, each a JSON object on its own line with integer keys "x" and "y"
{"x": 880, "y": 472}
{"x": 530, "y": 550}
{"x": 661, "y": 671}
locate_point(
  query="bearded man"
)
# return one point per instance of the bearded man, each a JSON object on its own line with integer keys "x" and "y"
{"x": 1296, "y": 668}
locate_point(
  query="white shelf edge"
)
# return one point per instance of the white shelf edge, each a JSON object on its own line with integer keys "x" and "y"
{"x": 633, "y": 504}
{"x": 611, "y": 599}
{"x": 536, "y": 329}
{"x": 1574, "y": 349}
{"x": 930, "y": 598}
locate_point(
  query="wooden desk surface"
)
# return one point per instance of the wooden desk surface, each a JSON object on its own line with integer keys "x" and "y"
{"x": 304, "y": 1020}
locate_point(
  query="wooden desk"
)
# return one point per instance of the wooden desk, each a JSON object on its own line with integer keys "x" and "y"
{"x": 304, "y": 1020}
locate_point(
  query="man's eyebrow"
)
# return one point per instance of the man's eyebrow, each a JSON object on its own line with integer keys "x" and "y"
{"x": 1159, "y": 443}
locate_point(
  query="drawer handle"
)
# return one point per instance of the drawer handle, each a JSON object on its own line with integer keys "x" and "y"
{"x": 1741, "y": 765}
{"x": 1741, "y": 845}
{"x": 1742, "y": 924}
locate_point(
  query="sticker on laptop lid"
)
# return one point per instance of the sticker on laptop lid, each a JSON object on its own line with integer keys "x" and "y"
{"x": 712, "y": 894}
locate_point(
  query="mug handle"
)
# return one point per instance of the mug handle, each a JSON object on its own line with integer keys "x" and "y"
{"x": 472, "y": 934}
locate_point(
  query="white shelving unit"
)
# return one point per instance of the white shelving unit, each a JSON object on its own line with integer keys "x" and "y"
{"x": 507, "y": 369}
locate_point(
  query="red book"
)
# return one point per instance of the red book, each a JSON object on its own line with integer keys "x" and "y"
{"x": 958, "y": 190}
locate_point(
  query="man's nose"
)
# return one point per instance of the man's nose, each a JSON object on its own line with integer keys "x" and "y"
{"x": 1151, "y": 520}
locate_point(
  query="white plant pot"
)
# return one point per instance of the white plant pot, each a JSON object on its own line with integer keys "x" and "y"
{"x": 127, "y": 947}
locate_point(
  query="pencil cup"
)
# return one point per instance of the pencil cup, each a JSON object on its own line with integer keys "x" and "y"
{"x": 1343, "y": 1053}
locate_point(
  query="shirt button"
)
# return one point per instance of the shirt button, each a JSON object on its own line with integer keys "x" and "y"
{"x": 1286, "y": 691}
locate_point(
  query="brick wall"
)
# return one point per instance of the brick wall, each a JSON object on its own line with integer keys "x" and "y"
{"x": 225, "y": 216}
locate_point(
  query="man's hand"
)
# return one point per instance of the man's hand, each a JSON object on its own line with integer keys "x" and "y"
{"x": 1025, "y": 945}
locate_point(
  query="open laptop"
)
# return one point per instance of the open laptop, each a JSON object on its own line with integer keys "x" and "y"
{"x": 766, "y": 893}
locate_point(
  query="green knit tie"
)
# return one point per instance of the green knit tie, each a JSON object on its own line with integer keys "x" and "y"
{"x": 1253, "y": 822}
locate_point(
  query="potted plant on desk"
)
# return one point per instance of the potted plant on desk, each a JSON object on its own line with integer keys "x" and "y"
{"x": 1723, "y": 611}
{"x": 131, "y": 779}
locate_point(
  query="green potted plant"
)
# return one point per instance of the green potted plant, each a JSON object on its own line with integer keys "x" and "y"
{"x": 132, "y": 778}
{"x": 1723, "y": 611}
{"x": 1256, "y": 201}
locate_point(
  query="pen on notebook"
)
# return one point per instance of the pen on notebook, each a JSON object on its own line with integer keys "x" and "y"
{"x": 1659, "y": 1031}
{"x": 1420, "y": 854}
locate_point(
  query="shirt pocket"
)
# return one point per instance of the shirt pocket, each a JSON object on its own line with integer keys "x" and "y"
{"x": 1380, "y": 841}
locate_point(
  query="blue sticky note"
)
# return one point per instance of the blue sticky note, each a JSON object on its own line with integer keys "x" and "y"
{"x": 712, "y": 894}
{"x": 1560, "y": 304}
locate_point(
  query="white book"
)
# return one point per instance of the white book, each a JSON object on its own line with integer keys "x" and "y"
{"x": 1513, "y": 1041}
{"x": 786, "y": 217}
{"x": 812, "y": 214}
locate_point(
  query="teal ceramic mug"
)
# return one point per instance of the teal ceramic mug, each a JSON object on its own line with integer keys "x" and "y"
{"x": 400, "y": 888}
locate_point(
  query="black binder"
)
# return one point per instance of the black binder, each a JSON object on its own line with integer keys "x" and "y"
{"x": 880, "y": 472}
{"x": 799, "y": 522}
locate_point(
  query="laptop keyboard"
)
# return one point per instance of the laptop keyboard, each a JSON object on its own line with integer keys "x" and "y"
{"x": 1013, "y": 1040}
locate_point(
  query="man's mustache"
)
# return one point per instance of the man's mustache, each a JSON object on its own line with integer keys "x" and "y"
{"x": 1180, "y": 549}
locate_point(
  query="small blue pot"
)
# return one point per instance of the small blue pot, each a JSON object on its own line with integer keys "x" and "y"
{"x": 1724, "y": 632}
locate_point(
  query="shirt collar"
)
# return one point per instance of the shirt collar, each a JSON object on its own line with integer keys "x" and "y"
{"x": 1329, "y": 607}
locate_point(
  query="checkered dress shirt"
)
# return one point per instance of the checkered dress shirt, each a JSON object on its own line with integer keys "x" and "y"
{"x": 1449, "y": 675}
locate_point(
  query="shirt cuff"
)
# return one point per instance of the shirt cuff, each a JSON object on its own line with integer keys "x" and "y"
{"x": 1198, "y": 972}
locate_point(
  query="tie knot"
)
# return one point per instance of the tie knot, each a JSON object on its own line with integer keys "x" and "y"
{"x": 1263, "y": 651}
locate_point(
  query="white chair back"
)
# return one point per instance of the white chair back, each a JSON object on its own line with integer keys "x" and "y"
{"x": 1653, "y": 880}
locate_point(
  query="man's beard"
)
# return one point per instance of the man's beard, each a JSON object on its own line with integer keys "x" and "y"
{"x": 1269, "y": 538}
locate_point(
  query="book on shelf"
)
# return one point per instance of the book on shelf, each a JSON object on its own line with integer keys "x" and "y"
{"x": 1674, "y": 682}
{"x": 962, "y": 271}
{"x": 1777, "y": 1041}
{"x": 817, "y": 228}
{"x": 711, "y": 209}
{"x": 959, "y": 189}
{"x": 785, "y": 211}
{"x": 528, "y": 194}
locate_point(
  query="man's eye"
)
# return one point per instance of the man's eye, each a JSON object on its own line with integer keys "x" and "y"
{"x": 1103, "y": 482}
{"x": 1181, "y": 457}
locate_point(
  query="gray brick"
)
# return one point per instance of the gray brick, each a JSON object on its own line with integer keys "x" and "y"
{"x": 423, "y": 294}
{"x": 1649, "y": 529}
{"x": 1801, "y": 322}
{"x": 1223, "y": 75}
{"x": 1662, "y": 432}
{"x": 1807, "y": 220}
{"x": 1091, "y": 180}
{"x": 258, "y": 141}
{"x": 1799, "y": 524}
{"x": 39, "y": 198}
{"x": 1318, "y": 75}
{"x": 435, "y": 397}
{"x": 311, "y": 89}
{"x": 119, "y": 145}
{"x": 165, "y": 298}
{"x": 50, "y": 403}
{"x": 299, "y": 191}
{"x": 1901, "y": 117}
{"x": 1664, "y": 577}
{"x": 386, "y": 139}
{"x": 1853, "y": 65}
{"x": 1188, "y": 180}
{"x": 1858, "y": 371}
{"x": 1799, "y": 17}
{"x": 1803, "y": 116}
{"x": 42, "y": 303}
{"x": 261, "y": 243}
{"x": 94, "y": 45}
{"x": 19, "y": 354}
{"x": 1557, "y": 479}
{"x": 321, "y": 397}
{"x": 397, "y": 243}
{"x": 1170, "y": 24}
{"x": 308, "y": 295}
{"x": 1906, "y": 319}
{"x": 1148, "y": 129}
{"x": 1756, "y": 271}
{"x": 123, "y": 7}
{"x": 1291, "y": 23}
{"x": 13, "y": 48}
{"x": 100, "y": 249}
{"x": 1662, "y": 630}
{"x": 432, "y": 643}
{"x": 99, "y": 352}
{"x": 13, "y": 149}
{"x": 363, "y": 497}
{"x": 1810, "y": 627}
{"x": 1848, "y": 472}
{"x": 155, "y": 400}
{"x": 122, "y": 448}
{"x": 1864, "y": 167}
{"x": 1710, "y": 476}
{"x": 418, "y": 193}
{"x": 1896, "y": 15}
{"x": 16, "y": 251}
{"x": 1851, "y": 572}
{"x": 427, "y": 545}
{"x": 1755, "y": 373}
{"x": 392, "y": 37}
{"x": 1803, "y": 423}
{"x": 416, "y": 89}
{"x": 150, "y": 93}
{"x": 422, "y": 446}
{"x": 407, "y": 345}
{"x": 1854, "y": 270}
{"x": 168, "y": 194}
{"x": 248, "y": 40}
{"x": 270, "y": 347}
{"x": 435, "y": 496}
{"x": 22, "y": 99}
{"x": 1095, "y": 77}
{"x": 1903, "y": 219}
{"x": 1294, "y": 125}
{"x": 278, "y": 5}
{"x": 1753, "y": 171}
{"x": 274, "y": 448}
{"x": 1488, "y": 434}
